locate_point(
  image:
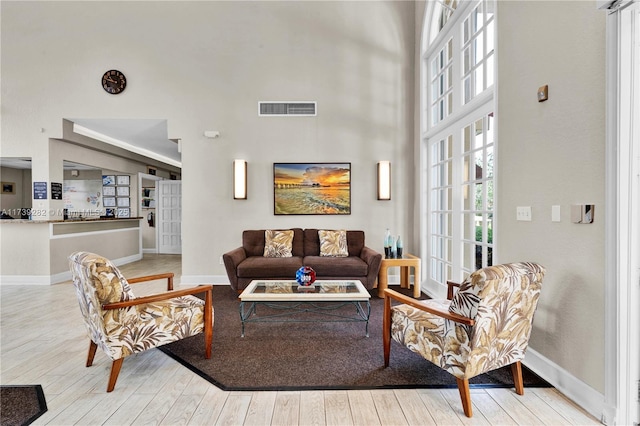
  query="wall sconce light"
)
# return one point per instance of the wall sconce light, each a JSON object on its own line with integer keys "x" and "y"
{"x": 384, "y": 180}
{"x": 239, "y": 180}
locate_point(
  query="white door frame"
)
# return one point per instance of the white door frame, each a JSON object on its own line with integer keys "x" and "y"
{"x": 161, "y": 210}
{"x": 142, "y": 214}
{"x": 622, "y": 300}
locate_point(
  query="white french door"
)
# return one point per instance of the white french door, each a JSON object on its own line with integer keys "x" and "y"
{"x": 461, "y": 202}
{"x": 169, "y": 216}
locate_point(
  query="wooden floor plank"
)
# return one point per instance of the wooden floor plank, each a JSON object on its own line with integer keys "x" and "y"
{"x": 438, "y": 407}
{"x": 452, "y": 396}
{"x": 286, "y": 410}
{"x": 513, "y": 406}
{"x": 413, "y": 408}
{"x": 261, "y": 408}
{"x": 234, "y": 410}
{"x": 361, "y": 403}
{"x": 337, "y": 409}
{"x": 388, "y": 408}
{"x": 210, "y": 407}
{"x": 128, "y": 412}
{"x": 312, "y": 411}
{"x": 568, "y": 409}
{"x": 483, "y": 403}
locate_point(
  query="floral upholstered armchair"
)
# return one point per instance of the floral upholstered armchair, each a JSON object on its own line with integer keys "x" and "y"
{"x": 121, "y": 324}
{"x": 485, "y": 326}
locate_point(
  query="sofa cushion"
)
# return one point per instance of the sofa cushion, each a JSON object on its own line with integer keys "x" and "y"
{"x": 351, "y": 266}
{"x": 355, "y": 242}
{"x": 333, "y": 243}
{"x": 269, "y": 267}
{"x": 253, "y": 242}
{"x": 277, "y": 243}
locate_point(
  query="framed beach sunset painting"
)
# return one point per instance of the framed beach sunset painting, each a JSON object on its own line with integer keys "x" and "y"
{"x": 311, "y": 188}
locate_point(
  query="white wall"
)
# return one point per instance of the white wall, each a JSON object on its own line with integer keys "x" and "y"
{"x": 552, "y": 153}
{"x": 205, "y": 66}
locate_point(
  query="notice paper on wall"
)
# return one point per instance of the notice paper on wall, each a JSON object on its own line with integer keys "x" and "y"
{"x": 83, "y": 197}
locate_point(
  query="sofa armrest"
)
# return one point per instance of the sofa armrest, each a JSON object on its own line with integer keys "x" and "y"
{"x": 231, "y": 261}
{"x": 373, "y": 259}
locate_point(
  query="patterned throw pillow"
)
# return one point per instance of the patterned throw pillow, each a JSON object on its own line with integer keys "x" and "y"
{"x": 333, "y": 243}
{"x": 278, "y": 243}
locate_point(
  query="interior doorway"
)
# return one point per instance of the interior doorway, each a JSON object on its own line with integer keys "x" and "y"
{"x": 148, "y": 211}
{"x": 169, "y": 216}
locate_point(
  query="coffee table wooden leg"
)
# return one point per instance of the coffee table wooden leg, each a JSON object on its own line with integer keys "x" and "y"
{"x": 383, "y": 281}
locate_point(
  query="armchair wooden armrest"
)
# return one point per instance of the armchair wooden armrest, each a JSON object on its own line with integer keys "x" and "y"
{"x": 450, "y": 286}
{"x": 167, "y": 275}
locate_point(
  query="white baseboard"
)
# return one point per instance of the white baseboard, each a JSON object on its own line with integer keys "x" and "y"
{"x": 579, "y": 392}
{"x": 25, "y": 280}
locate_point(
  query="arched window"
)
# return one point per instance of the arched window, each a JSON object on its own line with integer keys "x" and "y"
{"x": 458, "y": 138}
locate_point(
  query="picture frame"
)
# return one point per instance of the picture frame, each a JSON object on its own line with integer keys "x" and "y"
{"x": 123, "y": 212}
{"x": 108, "y": 191}
{"x": 311, "y": 188}
{"x": 8, "y": 187}
{"x": 109, "y": 201}
{"x": 122, "y": 180}
{"x": 122, "y": 191}
{"x": 108, "y": 180}
{"x": 123, "y": 202}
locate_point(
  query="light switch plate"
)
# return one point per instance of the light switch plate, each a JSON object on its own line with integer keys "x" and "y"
{"x": 555, "y": 213}
{"x": 523, "y": 213}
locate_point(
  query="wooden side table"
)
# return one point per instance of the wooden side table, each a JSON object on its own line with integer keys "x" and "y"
{"x": 405, "y": 263}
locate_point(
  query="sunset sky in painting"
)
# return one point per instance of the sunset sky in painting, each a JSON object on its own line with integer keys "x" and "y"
{"x": 307, "y": 174}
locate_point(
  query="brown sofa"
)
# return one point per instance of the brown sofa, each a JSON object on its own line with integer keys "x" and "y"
{"x": 247, "y": 263}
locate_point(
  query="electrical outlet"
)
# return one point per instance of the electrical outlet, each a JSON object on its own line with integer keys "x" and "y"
{"x": 523, "y": 213}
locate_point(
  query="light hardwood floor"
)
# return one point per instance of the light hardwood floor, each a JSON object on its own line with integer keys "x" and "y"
{"x": 43, "y": 341}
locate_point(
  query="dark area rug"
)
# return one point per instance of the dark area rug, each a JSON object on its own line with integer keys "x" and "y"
{"x": 313, "y": 355}
{"x": 21, "y": 405}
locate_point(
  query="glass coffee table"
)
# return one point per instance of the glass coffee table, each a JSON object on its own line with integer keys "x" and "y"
{"x": 287, "y": 300}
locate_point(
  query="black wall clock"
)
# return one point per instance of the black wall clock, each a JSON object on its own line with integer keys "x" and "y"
{"x": 114, "y": 82}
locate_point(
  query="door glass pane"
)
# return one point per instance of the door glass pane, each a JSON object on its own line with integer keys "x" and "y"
{"x": 479, "y": 196}
{"x": 468, "y": 227}
{"x": 478, "y": 52}
{"x": 468, "y": 256}
{"x": 466, "y": 136}
{"x": 478, "y": 227}
{"x": 478, "y": 80}
{"x": 479, "y": 134}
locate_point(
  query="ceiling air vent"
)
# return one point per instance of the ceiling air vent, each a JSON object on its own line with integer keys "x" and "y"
{"x": 298, "y": 109}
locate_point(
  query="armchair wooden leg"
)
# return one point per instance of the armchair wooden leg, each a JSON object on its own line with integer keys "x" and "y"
{"x": 386, "y": 330}
{"x": 92, "y": 353}
{"x": 115, "y": 370}
{"x": 208, "y": 322}
{"x": 516, "y": 371}
{"x": 465, "y": 396}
